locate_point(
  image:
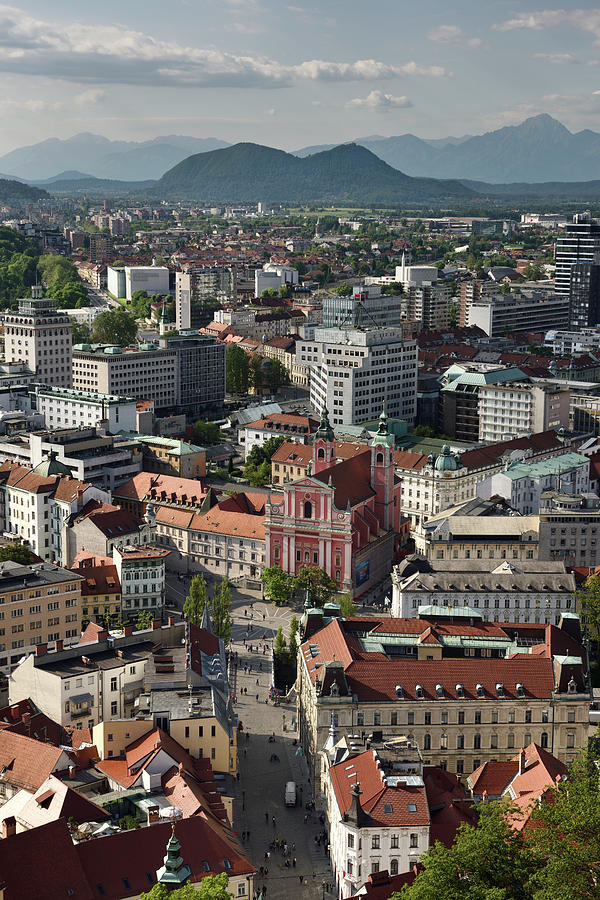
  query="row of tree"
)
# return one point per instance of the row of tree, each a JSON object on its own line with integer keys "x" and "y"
{"x": 313, "y": 581}
{"x": 244, "y": 371}
{"x": 257, "y": 470}
{"x": 219, "y": 607}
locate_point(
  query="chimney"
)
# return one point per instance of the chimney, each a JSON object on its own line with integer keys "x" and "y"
{"x": 127, "y": 630}
{"x": 58, "y": 645}
{"x": 522, "y": 761}
{"x": 156, "y": 624}
{"x": 15, "y": 712}
{"x": 41, "y": 649}
{"x": 9, "y": 827}
{"x": 71, "y": 772}
{"x": 26, "y": 717}
{"x": 171, "y": 620}
{"x": 103, "y": 635}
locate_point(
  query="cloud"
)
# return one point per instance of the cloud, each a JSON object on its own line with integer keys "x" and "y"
{"x": 379, "y": 102}
{"x": 270, "y": 112}
{"x": 90, "y": 97}
{"x": 244, "y": 28}
{"x": 452, "y": 34}
{"x": 112, "y": 54}
{"x": 587, "y": 20}
{"x": 557, "y": 59}
{"x": 33, "y": 106}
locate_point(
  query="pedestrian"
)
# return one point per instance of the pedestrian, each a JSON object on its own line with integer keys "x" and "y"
{"x": 245, "y": 751}
{"x": 301, "y": 877}
{"x": 257, "y": 698}
{"x": 287, "y": 863}
{"x": 247, "y": 835}
{"x": 314, "y": 875}
{"x": 261, "y": 871}
{"x": 274, "y": 822}
{"x": 267, "y": 817}
{"x": 294, "y": 862}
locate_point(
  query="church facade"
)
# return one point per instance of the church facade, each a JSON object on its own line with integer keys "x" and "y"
{"x": 343, "y": 516}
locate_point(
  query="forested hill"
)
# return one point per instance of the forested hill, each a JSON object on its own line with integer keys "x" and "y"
{"x": 16, "y": 190}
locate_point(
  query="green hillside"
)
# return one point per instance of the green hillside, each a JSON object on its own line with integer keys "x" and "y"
{"x": 246, "y": 173}
{"x": 16, "y": 190}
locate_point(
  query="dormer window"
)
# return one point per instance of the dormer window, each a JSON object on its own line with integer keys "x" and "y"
{"x": 439, "y": 691}
{"x": 460, "y": 691}
{"x": 500, "y": 689}
{"x": 399, "y": 692}
{"x": 419, "y": 692}
{"x": 480, "y": 691}
{"x": 520, "y": 689}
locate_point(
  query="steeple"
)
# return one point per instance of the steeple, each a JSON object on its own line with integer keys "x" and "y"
{"x": 382, "y": 435}
{"x": 163, "y": 326}
{"x": 206, "y": 622}
{"x": 324, "y": 431}
{"x": 174, "y": 873}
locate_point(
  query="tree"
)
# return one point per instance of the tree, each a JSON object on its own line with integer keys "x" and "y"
{"x": 268, "y": 293}
{"x": 272, "y": 445}
{"x": 344, "y": 290}
{"x": 140, "y": 304}
{"x": 285, "y": 291}
{"x": 587, "y": 599}
{"x": 144, "y": 621}
{"x": 347, "y": 607}
{"x": 237, "y": 370}
{"x": 487, "y": 862}
{"x": 453, "y": 315}
{"x": 258, "y": 476}
{"x": 212, "y": 887}
{"x": 80, "y": 332}
{"x": 16, "y": 552}
{"x": 293, "y": 643}
{"x": 221, "y": 611}
{"x": 114, "y": 326}
{"x": 425, "y": 431}
{"x": 230, "y": 465}
{"x": 196, "y": 600}
{"x": 205, "y": 433}
{"x": 277, "y": 375}
{"x": 565, "y": 834}
{"x": 279, "y": 585}
{"x": 321, "y": 588}
{"x": 279, "y": 646}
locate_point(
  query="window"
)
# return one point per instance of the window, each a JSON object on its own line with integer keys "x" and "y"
{"x": 570, "y": 715}
{"x": 476, "y": 742}
{"x": 427, "y": 718}
{"x": 570, "y": 739}
{"x": 528, "y": 717}
{"x": 510, "y": 741}
{"x": 375, "y": 842}
{"x": 478, "y": 718}
{"x": 460, "y": 742}
{"x": 241, "y": 889}
{"x": 427, "y": 742}
{"x": 308, "y": 510}
{"x": 395, "y": 842}
{"x": 461, "y": 718}
{"x": 414, "y": 841}
{"x": 350, "y": 866}
{"x": 113, "y": 684}
{"x": 351, "y": 841}
{"x": 411, "y": 718}
{"x": 444, "y": 718}
{"x": 544, "y": 739}
{"x": 374, "y": 867}
{"x": 460, "y": 766}
{"x": 394, "y": 867}
{"x": 494, "y": 742}
{"x": 394, "y": 718}
{"x": 114, "y": 708}
{"x": 376, "y": 718}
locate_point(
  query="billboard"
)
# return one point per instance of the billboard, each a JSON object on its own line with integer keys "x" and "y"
{"x": 362, "y": 573}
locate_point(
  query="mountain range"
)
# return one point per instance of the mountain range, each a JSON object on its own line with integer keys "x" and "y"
{"x": 103, "y": 158}
{"x": 540, "y": 149}
{"x": 246, "y": 173}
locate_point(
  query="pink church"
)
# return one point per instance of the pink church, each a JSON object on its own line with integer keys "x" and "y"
{"x": 343, "y": 516}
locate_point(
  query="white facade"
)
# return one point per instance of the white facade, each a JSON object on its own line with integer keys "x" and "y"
{"x": 566, "y": 343}
{"x": 152, "y": 279}
{"x": 522, "y": 484}
{"x": 429, "y": 303}
{"x": 353, "y": 371}
{"x": 532, "y": 311}
{"x": 142, "y": 575}
{"x": 66, "y": 408}
{"x": 41, "y": 337}
{"x": 516, "y": 409}
{"x": 510, "y": 591}
{"x": 273, "y": 276}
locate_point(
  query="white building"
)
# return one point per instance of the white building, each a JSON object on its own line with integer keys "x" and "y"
{"x": 366, "y": 306}
{"x": 514, "y": 408}
{"x": 377, "y": 821}
{"x": 272, "y": 276}
{"x": 35, "y": 505}
{"x": 152, "y": 279}
{"x": 429, "y": 303}
{"x": 354, "y": 371}
{"x": 505, "y": 590}
{"x": 566, "y": 343}
{"x": 40, "y": 336}
{"x": 142, "y": 575}
{"x": 498, "y": 314}
{"x": 523, "y": 483}
{"x": 294, "y": 427}
{"x": 85, "y": 315}
{"x": 407, "y": 274}
{"x": 70, "y": 408}
{"x": 198, "y": 290}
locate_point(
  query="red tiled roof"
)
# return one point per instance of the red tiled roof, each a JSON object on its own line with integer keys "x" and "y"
{"x": 62, "y": 487}
{"x": 350, "y": 479}
{"x": 493, "y": 777}
{"x": 376, "y": 794}
{"x": 112, "y": 521}
{"x": 27, "y": 762}
{"x": 487, "y": 456}
{"x": 54, "y": 799}
{"x": 150, "y": 486}
{"x": 448, "y": 804}
{"x": 25, "y": 718}
{"x": 381, "y": 885}
{"x": 202, "y": 642}
{"x": 43, "y": 859}
{"x": 98, "y": 580}
{"x": 286, "y": 420}
{"x": 405, "y": 459}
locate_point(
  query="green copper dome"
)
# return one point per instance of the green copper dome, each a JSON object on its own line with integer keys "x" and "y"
{"x": 382, "y": 435}
{"x": 325, "y": 431}
{"x": 446, "y": 462}
{"x": 51, "y": 466}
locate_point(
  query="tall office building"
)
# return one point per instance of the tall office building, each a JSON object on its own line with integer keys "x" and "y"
{"x": 584, "y": 294}
{"x": 580, "y": 243}
{"x": 354, "y": 370}
{"x": 365, "y": 307}
{"x": 199, "y": 291}
{"x": 40, "y": 335}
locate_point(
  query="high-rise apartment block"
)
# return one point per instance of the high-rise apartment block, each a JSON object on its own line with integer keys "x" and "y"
{"x": 429, "y": 303}
{"x": 353, "y": 371}
{"x": 584, "y": 294}
{"x": 101, "y": 247}
{"x": 40, "y": 336}
{"x": 201, "y": 290}
{"x": 366, "y": 306}
{"x": 580, "y": 242}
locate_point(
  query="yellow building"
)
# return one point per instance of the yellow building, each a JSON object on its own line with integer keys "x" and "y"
{"x": 100, "y": 591}
{"x": 168, "y": 456}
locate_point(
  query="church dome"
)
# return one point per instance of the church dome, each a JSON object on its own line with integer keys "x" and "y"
{"x": 446, "y": 462}
{"x": 51, "y": 466}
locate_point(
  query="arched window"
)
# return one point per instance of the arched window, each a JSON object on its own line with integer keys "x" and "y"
{"x": 394, "y": 867}
{"x": 308, "y": 510}
{"x": 427, "y": 742}
{"x": 379, "y": 458}
{"x": 321, "y": 453}
{"x": 544, "y": 741}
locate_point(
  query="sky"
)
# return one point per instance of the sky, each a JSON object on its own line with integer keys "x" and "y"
{"x": 293, "y": 75}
